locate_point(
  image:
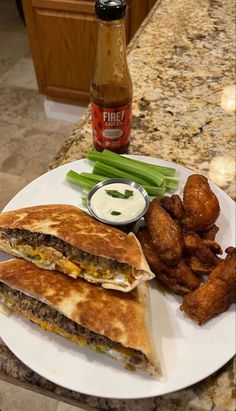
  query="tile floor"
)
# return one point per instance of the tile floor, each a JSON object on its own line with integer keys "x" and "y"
{"x": 28, "y": 142}
{"x": 28, "y": 139}
{"x": 13, "y": 398}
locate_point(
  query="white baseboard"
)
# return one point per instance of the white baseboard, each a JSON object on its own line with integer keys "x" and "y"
{"x": 63, "y": 112}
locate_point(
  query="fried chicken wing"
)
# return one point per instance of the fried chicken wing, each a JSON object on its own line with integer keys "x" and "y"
{"x": 198, "y": 267}
{"x": 210, "y": 234}
{"x": 179, "y": 279}
{"x": 201, "y": 254}
{"x": 230, "y": 251}
{"x": 174, "y": 206}
{"x": 213, "y": 246}
{"x": 215, "y": 295}
{"x": 227, "y": 275}
{"x": 200, "y": 203}
{"x": 165, "y": 233}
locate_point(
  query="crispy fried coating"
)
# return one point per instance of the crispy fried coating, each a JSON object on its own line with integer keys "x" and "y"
{"x": 174, "y": 206}
{"x": 215, "y": 295}
{"x": 230, "y": 251}
{"x": 165, "y": 233}
{"x": 227, "y": 275}
{"x": 201, "y": 254}
{"x": 213, "y": 246}
{"x": 198, "y": 267}
{"x": 179, "y": 279}
{"x": 200, "y": 203}
{"x": 210, "y": 234}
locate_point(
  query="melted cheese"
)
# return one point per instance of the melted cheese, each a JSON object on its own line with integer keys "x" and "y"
{"x": 119, "y": 353}
{"x": 46, "y": 256}
{"x": 79, "y": 339}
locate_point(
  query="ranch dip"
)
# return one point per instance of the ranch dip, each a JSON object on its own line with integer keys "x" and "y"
{"x": 117, "y": 202}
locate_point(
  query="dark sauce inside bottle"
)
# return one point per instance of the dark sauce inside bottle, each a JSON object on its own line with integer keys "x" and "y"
{"x": 111, "y": 84}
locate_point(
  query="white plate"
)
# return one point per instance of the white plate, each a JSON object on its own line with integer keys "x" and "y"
{"x": 188, "y": 353}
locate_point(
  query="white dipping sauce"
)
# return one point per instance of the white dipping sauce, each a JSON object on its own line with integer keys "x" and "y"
{"x": 130, "y": 208}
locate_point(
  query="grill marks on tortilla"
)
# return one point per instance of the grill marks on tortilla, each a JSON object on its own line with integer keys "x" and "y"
{"x": 100, "y": 310}
{"x": 77, "y": 228}
{"x": 102, "y": 317}
{"x": 23, "y": 303}
{"x": 37, "y": 310}
{"x": 121, "y": 317}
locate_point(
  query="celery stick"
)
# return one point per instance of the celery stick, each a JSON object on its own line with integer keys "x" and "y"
{"x": 172, "y": 182}
{"x": 115, "y": 173}
{"x": 84, "y": 197}
{"x": 94, "y": 177}
{"x": 112, "y": 172}
{"x": 96, "y": 156}
{"x": 84, "y": 201}
{"x": 154, "y": 191}
{"x": 87, "y": 184}
{"x": 167, "y": 171}
{"x": 76, "y": 178}
{"x": 152, "y": 177}
{"x": 85, "y": 192}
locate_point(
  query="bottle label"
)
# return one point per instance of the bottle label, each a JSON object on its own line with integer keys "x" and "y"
{"x": 111, "y": 126}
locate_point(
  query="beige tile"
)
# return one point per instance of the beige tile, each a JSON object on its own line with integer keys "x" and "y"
{"x": 25, "y": 107}
{"x": 26, "y": 151}
{"x": 10, "y": 20}
{"x": 28, "y": 142}
{"x": 21, "y": 75}
{"x": 6, "y": 63}
{"x": 14, "y": 45}
{"x": 10, "y": 185}
{"x": 21, "y": 106}
{"x": 66, "y": 407}
{"x": 13, "y": 398}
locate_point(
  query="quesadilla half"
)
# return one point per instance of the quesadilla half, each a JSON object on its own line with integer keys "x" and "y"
{"x": 111, "y": 322}
{"x": 64, "y": 238}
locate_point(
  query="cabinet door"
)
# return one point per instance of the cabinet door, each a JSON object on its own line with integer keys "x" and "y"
{"x": 63, "y": 42}
{"x": 62, "y": 35}
{"x": 137, "y": 11}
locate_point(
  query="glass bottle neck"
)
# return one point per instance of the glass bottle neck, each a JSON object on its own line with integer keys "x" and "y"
{"x": 111, "y": 44}
{"x": 111, "y": 83}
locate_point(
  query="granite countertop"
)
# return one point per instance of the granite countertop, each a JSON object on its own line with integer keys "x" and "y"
{"x": 182, "y": 64}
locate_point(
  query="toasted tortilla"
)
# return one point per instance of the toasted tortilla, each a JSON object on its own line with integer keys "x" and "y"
{"x": 122, "y": 318}
{"x": 77, "y": 228}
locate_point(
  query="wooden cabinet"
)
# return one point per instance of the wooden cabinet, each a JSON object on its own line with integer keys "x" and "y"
{"x": 62, "y": 35}
{"x": 137, "y": 11}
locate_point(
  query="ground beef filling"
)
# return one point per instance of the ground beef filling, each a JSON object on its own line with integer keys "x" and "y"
{"x": 21, "y": 237}
{"x": 20, "y": 302}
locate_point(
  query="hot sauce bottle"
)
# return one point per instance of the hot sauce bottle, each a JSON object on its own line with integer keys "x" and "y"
{"x": 111, "y": 85}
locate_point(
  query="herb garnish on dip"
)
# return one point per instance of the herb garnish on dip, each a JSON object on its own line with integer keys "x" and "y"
{"x": 117, "y": 202}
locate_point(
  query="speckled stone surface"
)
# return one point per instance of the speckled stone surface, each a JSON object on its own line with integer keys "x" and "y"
{"x": 182, "y": 64}
{"x": 181, "y": 61}
{"x": 215, "y": 393}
